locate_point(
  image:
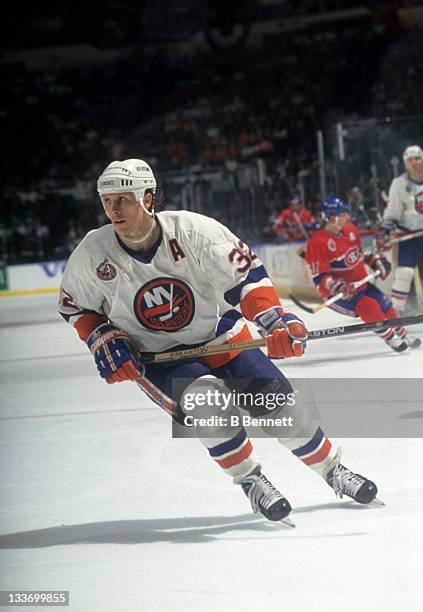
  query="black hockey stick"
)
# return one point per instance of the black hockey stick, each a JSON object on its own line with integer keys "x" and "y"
{"x": 315, "y": 334}
{"x": 346, "y": 330}
{"x": 301, "y": 305}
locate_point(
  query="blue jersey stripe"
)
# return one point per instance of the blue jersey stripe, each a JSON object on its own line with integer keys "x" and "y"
{"x": 227, "y": 321}
{"x": 318, "y": 278}
{"x": 233, "y": 296}
{"x": 339, "y": 265}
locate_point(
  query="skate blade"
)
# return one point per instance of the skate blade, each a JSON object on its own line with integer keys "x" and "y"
{"x": 378, "y": 502}
{"x": 288, "y": 522}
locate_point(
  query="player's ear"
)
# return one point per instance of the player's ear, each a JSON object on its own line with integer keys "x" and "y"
{"x": 148, "y": 200}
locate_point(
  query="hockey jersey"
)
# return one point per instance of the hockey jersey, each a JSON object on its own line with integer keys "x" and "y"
{"x": 339, "y": 255}
{"x": 405, "y": 204}
{"x": 195, "y": 286}
{"x": 288, "y": 223}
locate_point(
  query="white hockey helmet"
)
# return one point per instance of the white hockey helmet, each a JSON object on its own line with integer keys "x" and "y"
{"x": 133, "y": 175}
{"x": 412, "y": 151}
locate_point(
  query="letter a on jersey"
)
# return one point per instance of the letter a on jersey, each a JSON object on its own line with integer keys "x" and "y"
{"x": 175, "y": 249}
{"x": 164, "y": 304}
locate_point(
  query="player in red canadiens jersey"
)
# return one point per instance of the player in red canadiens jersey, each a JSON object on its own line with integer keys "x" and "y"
{"x": 337, "y": 264}
{"x": 293, "y": 223}
{"x": 158, "y": 281}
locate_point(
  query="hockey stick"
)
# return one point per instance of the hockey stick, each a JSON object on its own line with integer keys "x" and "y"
{"x": 316, "y": 334}
{"x": 300, "y": 225}
{"x": 418, "y": 234}
{"x": 335, "y": 298}
{"x": 401, "y": 238}
{"x": 405, "y": 237}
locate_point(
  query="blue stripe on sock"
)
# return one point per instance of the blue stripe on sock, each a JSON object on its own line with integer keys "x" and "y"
{"x": 228, "y": 445}
{"x": 311, "y": 445}
{"x": 380, "y": 332}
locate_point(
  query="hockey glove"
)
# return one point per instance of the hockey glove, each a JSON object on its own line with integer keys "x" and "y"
{"x": 331, "y": 286}
{"x": 285, "y": 333}
{"x": 383, "y": 236}
{"x": 377, "y": 261}
{"x": 114, "y": 356}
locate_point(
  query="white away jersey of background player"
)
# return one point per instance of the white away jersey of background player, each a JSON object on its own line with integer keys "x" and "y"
{"x": 405, "y": 203}
{"x": 179, "y": 293}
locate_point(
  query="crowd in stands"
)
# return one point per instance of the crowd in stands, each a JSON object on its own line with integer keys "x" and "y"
{"x": 188, "y": 114}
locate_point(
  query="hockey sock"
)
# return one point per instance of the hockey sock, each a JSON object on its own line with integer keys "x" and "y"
{"x": 234, "y": 455}
{"x": 401, "y": 332}
{"x": 318, "y": 452}
{"x": 227, "y": 443}
{"x": 369, "y": 311}
{"x": 401, "y": 286}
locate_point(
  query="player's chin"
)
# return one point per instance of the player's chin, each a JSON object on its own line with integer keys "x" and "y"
{"x": 119, "y": 225}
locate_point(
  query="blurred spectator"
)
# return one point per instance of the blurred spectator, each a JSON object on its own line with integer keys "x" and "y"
{"x": 198, "y": 113}
{"x": 294, "y": 222}
{"x": 358, "y": 211}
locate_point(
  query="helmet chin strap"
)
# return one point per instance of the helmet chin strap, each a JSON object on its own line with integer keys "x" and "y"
{"x": 150, "y": 213}
{"x": 141, "y": 203}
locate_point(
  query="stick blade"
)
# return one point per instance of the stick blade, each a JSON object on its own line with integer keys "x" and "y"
{"x": 300, "y": 304}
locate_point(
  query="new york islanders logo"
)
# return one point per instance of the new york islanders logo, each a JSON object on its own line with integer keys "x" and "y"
{"x": 164, "y": 304}
{"x": 105, "y": 271}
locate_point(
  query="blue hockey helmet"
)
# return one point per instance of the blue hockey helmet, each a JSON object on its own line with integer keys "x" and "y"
{"x": 333, "y": 207}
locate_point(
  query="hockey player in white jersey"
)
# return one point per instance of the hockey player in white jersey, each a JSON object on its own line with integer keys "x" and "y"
{"x": 156, "y": 281}
{"x": 404, "y": 212}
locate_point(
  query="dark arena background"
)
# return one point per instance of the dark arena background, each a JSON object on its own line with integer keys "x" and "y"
{"x": 243, "y": 109}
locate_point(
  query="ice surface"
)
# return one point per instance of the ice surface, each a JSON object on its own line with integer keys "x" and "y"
{"x": 98, "y": 499}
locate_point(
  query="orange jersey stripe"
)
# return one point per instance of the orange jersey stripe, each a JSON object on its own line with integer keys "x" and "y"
{"x": 87, "y": 324}
{"x": 320, "y": 455}
{"x": 258, "y": 300}
{"x": 217, "y": 361}
{"x": 236, "y": 458}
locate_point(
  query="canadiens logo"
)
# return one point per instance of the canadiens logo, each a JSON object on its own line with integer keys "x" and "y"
{"x": 164, "y": 304}
{"x": 352, "y": 256}
{"x": 105, "y": 271}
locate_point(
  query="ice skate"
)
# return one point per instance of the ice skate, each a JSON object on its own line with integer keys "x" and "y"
{"x": 412, "y": 341}
{"x": 397, "y": 344}
{"x": 265, "y": 498}
{"x": 344, "y": 482}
